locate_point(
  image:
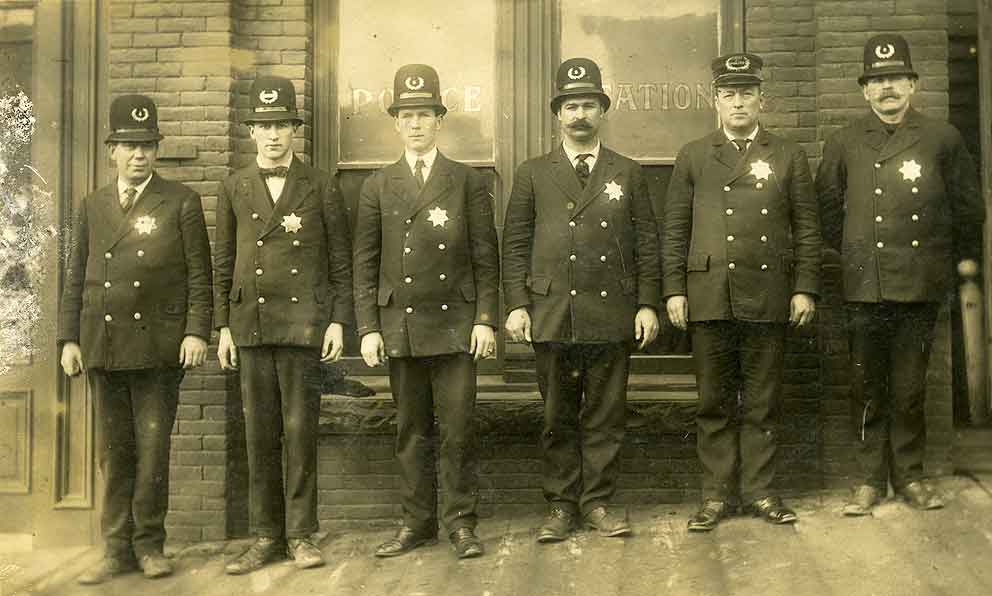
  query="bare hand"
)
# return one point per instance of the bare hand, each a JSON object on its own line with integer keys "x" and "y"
{"x": 645, "y": 326}
{"x": 72, "y": 358}
{"x": 333, "y": 343}
{"x": 227, "y": 352}
{"x": 483, "y": 341}
{"x": 373, "y": 349}
{"x": 802, "y": 309}
{"x": 192, "y": 352}
{"x": 678, "y": 311}
{"x": 518, "y": 325}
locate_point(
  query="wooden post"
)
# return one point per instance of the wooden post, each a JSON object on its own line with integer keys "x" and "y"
{"x": 985, "y": 103}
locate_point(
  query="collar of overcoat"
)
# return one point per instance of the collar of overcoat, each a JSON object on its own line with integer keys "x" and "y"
{"x": 738, "y": 164}
{"x": 122, "y": 223}
{"x": 876, "y": 137}
{"x": 405, "y": 186}
{"x": 298, "y": 187}
{"x": 563, "y": 174}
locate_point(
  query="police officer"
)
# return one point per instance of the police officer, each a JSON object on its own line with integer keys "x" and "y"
{"x": 135, "y": 315}
{"x": 282, "y": 299}
{"x": 741, "y": 256}
{"x": 900, "y": 200}
{"x": 426, "y": 283}
{"x": 581, "y": 278}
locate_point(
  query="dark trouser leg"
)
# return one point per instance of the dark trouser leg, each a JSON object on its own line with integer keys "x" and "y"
{"x": 912, "y": 338}
{"x": 762, "y": 351}
{"x": 715, "y": 351}
{"x": 605, "y": 368}
{"x": 410, "y": 383}
{"x": 117, "y": 455}
{"x": 262, "y": 401}
{"x": 454, "y": 388}
{"x": 300, "y": 418}
{"x": 559, "y": 379}
{"x": 869, "y": 337}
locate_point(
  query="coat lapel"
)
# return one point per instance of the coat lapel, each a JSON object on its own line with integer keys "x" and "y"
{"x": 111, "y": 220}
{"x": 875, "y": 135}
{"x": 435, "y": 186}
{"x": 147, "y": 202}
{"x": 563, "y": 173}
{"x": 903, "y": 138}
{"x": 759, "y": 149}
{"x": 603, "y": 170}
{"x": 402, "y": 187}
{"x": 295, "y": 191}
{"x": 251, "y": 190}
{"x": 724, "y": 153}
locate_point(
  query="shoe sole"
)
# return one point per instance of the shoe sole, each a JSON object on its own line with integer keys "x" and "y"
{"x": 309, "y": 564}
{"x": 930, "y": 507}
{"x": 472, "y": 554}
{"x": 701, "y": 528}
{"x": 550, "y": 538}
{"x": 427, "y": 542}
{"x": 610, "y": 533}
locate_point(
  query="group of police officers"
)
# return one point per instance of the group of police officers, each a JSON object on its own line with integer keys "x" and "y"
{"x": 584, "y": 272}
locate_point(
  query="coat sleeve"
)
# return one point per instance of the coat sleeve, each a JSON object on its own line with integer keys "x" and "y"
{"x": 367, "y": 251}
{"x": 518, "y": 239}
{"x": 339, "y": 292}
{"x": 485, "y": 250}
{"x": 965, "y": 196}
{"x": 75, "y": 275}
{"x": 225, "y": 253}
{"x": 806, "y": 241}
{"x": 647, "y": 256}
{"x": 831, "y": 192}
{"x": 677, "y": 226}
{"x": 199, "y": 277}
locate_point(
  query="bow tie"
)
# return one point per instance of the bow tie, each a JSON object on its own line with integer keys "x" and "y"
{"x": 277, "y": 172}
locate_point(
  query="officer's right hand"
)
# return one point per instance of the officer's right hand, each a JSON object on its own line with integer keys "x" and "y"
{"x": 227, "y": 352}
{"x": 518, "y": 325}
{"x": 373, "y": 349}
{"x": 678, "y": 311}
{"x": 72, "y": 359}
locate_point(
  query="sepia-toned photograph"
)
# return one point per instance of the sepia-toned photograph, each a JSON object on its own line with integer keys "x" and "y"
{"x": 495, "y": 297}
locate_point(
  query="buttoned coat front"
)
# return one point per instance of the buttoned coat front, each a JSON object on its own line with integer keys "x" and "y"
{"x": 283, "y": 271}
{"x": 741, "y": 232}
{"x": 426, "y": 261}
{"x": 899, "y": 208}
{"x": 581, "y": 260}
{"x": 136, "y": 283}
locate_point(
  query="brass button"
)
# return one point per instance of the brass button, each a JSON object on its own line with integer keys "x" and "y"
{"x": 259, "y": 243}
{"x": 407, "y": 250}
{"x": 764, "y": 267}
{"x": 294, "y": 271}
{"x": 409, "y": 310}
{"x": 444, "y": 307}
{"x": 764, "y": 211}
{"x": 878, "y": 192}
{"x": 294, "y": 299}
{"x": 604, "y": 225}
{"x": 442, "y": 277}
{"x": 915, "y": 243}
{"x": 108, "y": 318}
{"x": 764, "y": 238}
{"x": 408, "y": 280}
{"x": 730, "y": 238}
{"x": 106, "y": 284}
{"x": 107, "y": 255}
{"x": 254, "y": 216}
{"x": 137, "y": 316}
{"x": 572, "y": 258}
{"x": 877, "y": 165}
{"x": 732, "y": 266}
{"x": 261, "y": 300}
{"x": 571, "y": 224}
{"x": 916, "y": 217}
{"x": 878, "y": 218}
{"x": 140, "y": 253}
{"x": 730, "y": 212}
{"x": 602, "y": 258}
{"x": 880, "y": 244}
{"x": 573, "y": 292}
{"x": 915, "y": 190}
{"x": 441, "y": 246}
{"x": 258, "y": 272}
{"x": 759, "y": 185}
{"x": 604, "y": 294}
{"x": 296, "y": 242}
{"x": 726, "y": 189}
{"x": 409, "y": 221}
{"x": 570, "y": 205}
{"x": 137, "y": 284}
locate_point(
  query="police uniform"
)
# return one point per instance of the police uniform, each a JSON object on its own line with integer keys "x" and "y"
{"x": 902, "y": 205}
{"x": 283, "y": 272}
{"x": 426, "y": 272}
{"x": 138, "y": 281}
{"x": 582, "y": 261}
{"x": 740, "y": 238}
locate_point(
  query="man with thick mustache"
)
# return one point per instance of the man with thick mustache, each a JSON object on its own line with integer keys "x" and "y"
{"x": 899, "y": 198}
{"x": 582, "y": 282}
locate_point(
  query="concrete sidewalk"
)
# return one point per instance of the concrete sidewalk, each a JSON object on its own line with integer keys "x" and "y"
{"x": 898, "y": 552}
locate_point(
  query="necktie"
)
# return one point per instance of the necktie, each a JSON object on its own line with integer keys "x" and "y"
{"x": 418, "y": 173}
{"x": 276, "y": 172}
{"x": 582, "y": 168}
{"x": 742, "y": 144}
{"x": 127, "y": 199}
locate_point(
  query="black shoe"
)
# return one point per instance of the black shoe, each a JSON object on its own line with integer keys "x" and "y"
{"x": 607, "y": 523}
{"x": 107, "y": 568}
{"x": 773, "y": 511}
{"x": 466, "y": 544}
{"x": 155, "y": 565}
{"x": 863, "y": 499}
{"x": 405, "y": 541}
{"x": 263, "y": 551}
{"x": 556, "y": 526}
{"x": 304, "y": 553}
{"x": 921, "y": 495}
{"x": 709, "y": 515}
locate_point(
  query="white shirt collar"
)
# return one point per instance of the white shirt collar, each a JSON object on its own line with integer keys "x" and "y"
{"x": 751, "y": 137}
{"x": 286, "y": 161}
{"x": 428, "y": 158}
{"x": 122, "y": 186}
{"x": 571, "y": 155}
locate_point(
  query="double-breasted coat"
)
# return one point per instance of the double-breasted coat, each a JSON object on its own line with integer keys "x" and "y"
{"x": 283, "y": 271}
{"x": 899, "y": 207}
{"x": 581, "y": 260}
{"x": 136, "y": 283}
{"x": 426, "y": 261}
{"x": 741, "y": 232}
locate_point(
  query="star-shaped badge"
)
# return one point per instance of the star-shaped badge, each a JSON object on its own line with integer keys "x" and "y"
{"x": 145, "y": 225}
{"x": 614, "y": 190}
{"x": 911, "y": 170}
{"x": 760, "y": 169}
{"x": 292, "y": 223}
{"x": 438, "y": 217}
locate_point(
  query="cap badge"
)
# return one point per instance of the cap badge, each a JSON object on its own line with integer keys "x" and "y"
{"x": 268, "y": 95}
{"x": 738, "y": 63}
{"x": 293, "y": 223}
{"x": 885, "y": 52}
{"x": 760, "y": 169}
{"x": 911, "y": 170}
{"x": 576, "y": 72}
{"x": 414, "y": 83}
{"x": 145, "y": 225}
{"x": 438, "y": 217}
{"x": 139, "y": 114}
{"x": 614, "y": 190}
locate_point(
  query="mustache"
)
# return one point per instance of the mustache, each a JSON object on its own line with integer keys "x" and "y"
{"x": 889, "y": 96}
{"x": 580, "y": 124}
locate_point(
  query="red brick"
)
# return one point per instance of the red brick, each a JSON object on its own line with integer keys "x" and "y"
{"x": 206, "y": 68}
{"x": 184, "y": 533}
{"x": 133, "y": 25}
{"x": 182, "y": 25}
{"x": 131, "y": 55}
{"x": 185, "y": 473}
{"x": 183, "y": 443}
{"x": 158, "y": 69}
{"x": 158, "y": 9}
{"x": 186, "y": 412}
{"x": 204, "y": 9}
{"x": 205, "y": 98}
{"x": 201, "y": 427}
{"x": 211, "y": 39}
{"x": 251, "y": 28}
{"x": 201, "y": 458}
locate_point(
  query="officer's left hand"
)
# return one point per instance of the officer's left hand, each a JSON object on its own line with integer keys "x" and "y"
{"x": 483, "y": 341}
{"x": 333, "y": 343}
{"x": 802, "y": 309}
{"x": 192, "y": 352}
{"x": 645, "y": 326}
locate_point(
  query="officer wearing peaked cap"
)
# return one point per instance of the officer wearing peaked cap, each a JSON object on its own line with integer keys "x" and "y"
{"x": 135, "y": 315}
{"x": 581, "y": 279}
{"x": 282, "y": 299}
{"x": 426, "y": 285}
{"x": 899, "y": 198}
{"x": 741, "y": 259}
